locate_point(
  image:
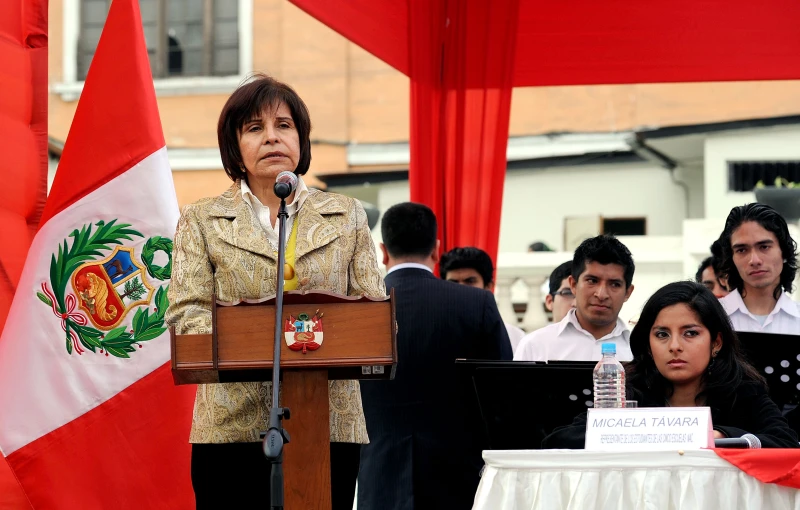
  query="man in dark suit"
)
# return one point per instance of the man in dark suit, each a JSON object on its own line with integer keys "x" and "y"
{"x": 424, "y": 429}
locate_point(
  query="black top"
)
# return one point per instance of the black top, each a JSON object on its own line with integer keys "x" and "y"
{"x": 423, "y": 451}
{"x": 751, "y": 411}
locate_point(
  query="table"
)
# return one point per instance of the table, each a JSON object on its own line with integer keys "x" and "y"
{"x": 581, "y": 480}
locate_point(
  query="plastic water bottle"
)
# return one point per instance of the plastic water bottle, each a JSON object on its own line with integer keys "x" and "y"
{"x": 609, "y": 379}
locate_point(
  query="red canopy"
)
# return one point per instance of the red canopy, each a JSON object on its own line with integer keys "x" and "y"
{"x": 464, "y": 57}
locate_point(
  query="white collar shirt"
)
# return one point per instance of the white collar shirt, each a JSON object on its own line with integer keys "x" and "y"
{"x": 515, "y": 335}
{"x": 783, "y": 319}
{"x": 409, "y": 265}
{"x": 567, "y": 340}
{"x": 262, "y": 212}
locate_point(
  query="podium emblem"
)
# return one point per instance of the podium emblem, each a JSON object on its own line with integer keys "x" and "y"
{"x": 303, "y": 333}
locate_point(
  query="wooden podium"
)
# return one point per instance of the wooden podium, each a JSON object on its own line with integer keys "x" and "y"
{"x": 332, "y": 336}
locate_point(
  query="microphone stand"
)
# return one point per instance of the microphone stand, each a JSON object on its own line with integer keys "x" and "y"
{"x": 276, "y": 436}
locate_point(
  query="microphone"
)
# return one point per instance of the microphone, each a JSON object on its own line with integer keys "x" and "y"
{"x": 746, "y": 441}
{"x": 285, "y": 184}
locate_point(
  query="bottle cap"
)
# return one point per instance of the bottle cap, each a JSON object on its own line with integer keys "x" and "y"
{"x": 608, "y": 348}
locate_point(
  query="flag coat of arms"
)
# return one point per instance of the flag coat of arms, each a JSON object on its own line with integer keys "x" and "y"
{"x": 89, "y": 415}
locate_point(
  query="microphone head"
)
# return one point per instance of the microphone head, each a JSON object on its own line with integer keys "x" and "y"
{"x": 752, "y": 441}
{"x": 285, "y": 184}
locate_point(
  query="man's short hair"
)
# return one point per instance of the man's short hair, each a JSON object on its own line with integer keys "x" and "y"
{"x": 539, "y": 246}
{"x": 558, "y": 275}
{"x": 409, "y": 230}
{"x": 468, "y": 257}
{"x": 706, "y": 263}
{"x": 770, "y": 220}
{"x": 718, "y": 259}
{"x": 603, "y": 249}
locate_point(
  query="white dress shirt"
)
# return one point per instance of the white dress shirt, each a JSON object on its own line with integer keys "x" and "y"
{"x": 408, "y": 265}
{"x": 784, "y": 318}
{"x": 567, "y": 340}
{"x": 515, "y": 335}
{"x": 262, "y": 212}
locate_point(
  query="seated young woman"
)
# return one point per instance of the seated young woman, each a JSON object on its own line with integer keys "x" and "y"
{"x": 686, "y": 354}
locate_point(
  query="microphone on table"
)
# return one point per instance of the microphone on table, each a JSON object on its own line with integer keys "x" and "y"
{"x": 746, "y": 441}
{"x": 285, "y": 184}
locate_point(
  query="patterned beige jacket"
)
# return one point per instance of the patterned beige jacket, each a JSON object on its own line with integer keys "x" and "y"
{"x": 220, "y": 242}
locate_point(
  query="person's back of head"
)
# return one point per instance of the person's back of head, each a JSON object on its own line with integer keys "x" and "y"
{"x": 559, "y": 299}
{"x": 705, "y": 264}
{"x": 539, "y": 246}
{"x": 771, "y": 223}
{"x": 469, "y": 266}
{"x": 559, "y": 274}
{"x": 409, "y": 234}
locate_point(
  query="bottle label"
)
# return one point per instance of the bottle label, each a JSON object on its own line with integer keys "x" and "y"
{"x": 649, "y": 428}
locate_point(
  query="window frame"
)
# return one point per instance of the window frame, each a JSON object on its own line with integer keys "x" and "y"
{"x": 70, "y": 87}
{"x": 734, "y": 165}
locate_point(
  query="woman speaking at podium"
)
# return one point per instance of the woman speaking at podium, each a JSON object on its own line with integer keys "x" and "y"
{"x": 686, "y": 354}
{"x": 228, "y": 245}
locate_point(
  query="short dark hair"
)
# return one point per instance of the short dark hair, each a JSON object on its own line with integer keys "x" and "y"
{"x": 250, "y": 100}
{"x": 409, "y": 230}
{"x": 539, "y": 246}
{"x": 706, "y": 263}
{"x": 558, "y": 275}
{"x": 770, "y": 220}
{"x": 721, "y": 379}
{"x": 718, "y": 259}
{"x": 468, "y": 258}
{"x": 603, "y": 249}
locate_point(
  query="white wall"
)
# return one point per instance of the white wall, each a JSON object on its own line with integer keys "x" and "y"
{"x": 536, "y": 202}
{"x": 389, "y": 194}
{"x": 692, "y": 175}
{"x": 779, "y": 143}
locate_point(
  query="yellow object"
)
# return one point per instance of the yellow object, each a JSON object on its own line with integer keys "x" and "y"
{"x": 289, "y": 274}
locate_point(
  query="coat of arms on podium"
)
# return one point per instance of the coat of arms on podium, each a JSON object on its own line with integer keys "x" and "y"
{"x": 303, "y": 333}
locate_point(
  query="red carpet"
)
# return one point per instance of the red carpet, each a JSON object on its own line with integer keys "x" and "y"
{"x": 11, "y": 495}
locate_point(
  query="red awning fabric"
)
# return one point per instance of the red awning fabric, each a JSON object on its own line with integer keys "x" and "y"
{"x": 458, "y": 133}
{"x": 461, "y": 80}
{"x": 588, "y": 42}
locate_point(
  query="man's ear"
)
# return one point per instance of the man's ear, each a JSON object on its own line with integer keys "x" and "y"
{"x": 435, "y": 254}
{"x": 385, "y": 254}
{"x": 548, "y": 302}
{"x": 573, "y": 285}
{"x": 629, "y": 292}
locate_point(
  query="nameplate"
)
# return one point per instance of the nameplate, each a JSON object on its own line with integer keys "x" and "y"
{"x": 649, "y": 428}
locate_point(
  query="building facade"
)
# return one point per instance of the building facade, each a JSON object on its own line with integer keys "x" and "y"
{"x": 631, "y": 159}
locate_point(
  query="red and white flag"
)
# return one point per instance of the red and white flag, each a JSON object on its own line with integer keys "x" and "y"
{"x": 89, "y": 415}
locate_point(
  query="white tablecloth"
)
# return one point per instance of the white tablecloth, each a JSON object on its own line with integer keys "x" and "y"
{"x": 579, "y": 480}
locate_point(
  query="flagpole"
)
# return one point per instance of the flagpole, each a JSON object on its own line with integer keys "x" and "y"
{"x": 276, "y": 436}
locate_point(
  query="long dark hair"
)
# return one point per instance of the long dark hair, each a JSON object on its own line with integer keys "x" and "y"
{"x": 727, "y": 372}
{"x": 770, "y": 220}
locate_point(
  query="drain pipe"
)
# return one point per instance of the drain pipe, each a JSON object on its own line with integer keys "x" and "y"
{"x": 639, "y": 146}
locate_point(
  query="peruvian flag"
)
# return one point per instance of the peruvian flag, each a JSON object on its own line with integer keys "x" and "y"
{"x": 89, "y": 415}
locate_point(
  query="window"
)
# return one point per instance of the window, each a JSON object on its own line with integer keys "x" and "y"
{"x": 744, "y": 175}
{"x": 184, "y": 37}
{"x": 625, "y": 226}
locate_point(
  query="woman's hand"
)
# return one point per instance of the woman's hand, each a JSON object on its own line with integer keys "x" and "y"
{"x": 719, "y": 435}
